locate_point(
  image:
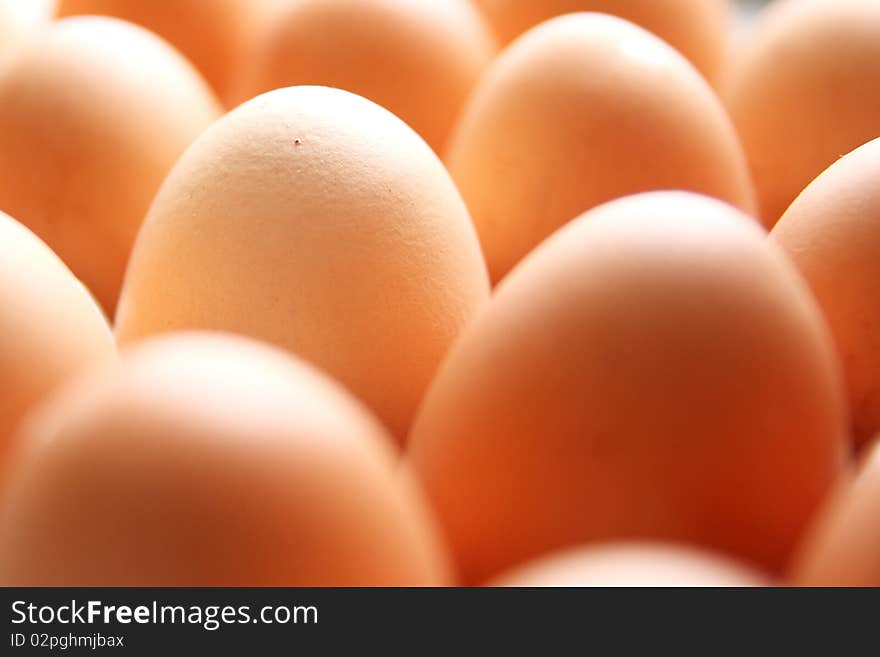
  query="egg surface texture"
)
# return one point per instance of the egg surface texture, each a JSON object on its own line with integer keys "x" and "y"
{"x": 50, "y": 327}
{"x": 832, "y": 233}
{"x": 657, "y": 370}
{"x": 697, "y": 28}
{"x": 212, "y": 461}
{"x": 633, "y": 564}
{"x": 804, "y": 91}
{"x": 580, "y": 110}
{"x": 93, "y": 113}
{"x": 313, "y": 219}
{"x": 417, "y": 58}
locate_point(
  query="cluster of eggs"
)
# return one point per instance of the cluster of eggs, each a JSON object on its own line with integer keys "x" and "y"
{"x": 436, "y": 292}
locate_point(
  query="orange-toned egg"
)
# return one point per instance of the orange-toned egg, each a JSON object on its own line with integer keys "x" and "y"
{"x": 804, "y": 91}
{"x": 697, "y": 28}
{"x": 656, "y": 369}
{"x": 580, "y": 110}
{"x": 313, "y": 219}
{"x": 633, "y": 564}
{"x": 50, "y": 327}
{"x": 843, "y": 548}
{"x": 211, "y": 460}
{"x": 93, "y": 114}
{"x": 214, "y": 34}
{"x": 832, "y": 233}
{"x": 417, "y": 58}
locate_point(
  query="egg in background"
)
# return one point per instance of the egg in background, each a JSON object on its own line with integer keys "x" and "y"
{"x": 832, "y": 233}
{"x": 93, "y": 113}
{"x": 50, "y": 328}
{"x": 212, "y": 461}
{"x": 633, "y": 565}
{"x": 699, "y": 29}
{"x": 313, "y": 219}
{"x": 417, "y": 58}
{"x": 655, "y": 370}
{"x": 805, "y": 90}
{"x": 580, "y": 110}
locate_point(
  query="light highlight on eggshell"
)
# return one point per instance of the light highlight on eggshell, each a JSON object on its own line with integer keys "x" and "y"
{"x": 843, "y": 548}
{"x": 636, "y": 565}
{"x": 50, "y": 327}
{"x": 315, "y": 220}
{"x": 832, "y": 233}
{"x": 697, "y": 28}
{"x": 580, "y": 110}
{"x": 93, "y": 113}
{"x": 656, "y": 369}
{"x": 417, "y": 58}
{"x": 804, "y": 91}
{"x": 212, "y": 461}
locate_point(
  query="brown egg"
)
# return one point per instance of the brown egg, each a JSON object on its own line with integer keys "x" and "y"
{"x": 214, "y": 34}
{"x": 697, "y": 28}
{"x": 633, "y": 564}
{"x": 50, "y": 327}
{"x": 93, "y": 113}
{"x": 212, "y": 460}
{"x": 805, "y": 90}
{"x": 417, "y": 58}
{"x": 578, "y": 111}
{"x": 843, "y": 548}
{"x": 656, "y": 369}
{"x": 316, "y": 220}
{"x": 832, "y": 233}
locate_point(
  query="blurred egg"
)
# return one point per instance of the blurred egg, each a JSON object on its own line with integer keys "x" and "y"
{"x": 633, "y": 564}
{"x": 214, "y": 34}
{"x": 212, "y": 461}
{"x": 93, "y": 113}
{"x": 843, "y": 549}
{"x": 580, "y": 110}
{"x": 417, "y": 58}
{"x": 50, "y": 327}
{"x": 656, "y": 369}
{"x": 315, "y": 220}
{"x": 697, "y": 28}
{"x": 832, "y": 233}
{"x": 805, "y": 90}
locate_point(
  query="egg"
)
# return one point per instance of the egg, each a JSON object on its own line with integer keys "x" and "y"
{"x": 93, "y": 114}
{"x": 805, "y": 90}
{"x": 697, "y": 28}
{"x": 313, "y": 219}
{"x": 417, "y": 58}
{"x": 654, "y": 370}
{"x": 580, "y": 110}
{"x": 843, "y": 547}
{"x": 210, "y": 460}
{"x": 50, "y": 327}
{"x": 214, "y": 34}
{"x": 633, "y": 564}
{"x": 832, "y": 233}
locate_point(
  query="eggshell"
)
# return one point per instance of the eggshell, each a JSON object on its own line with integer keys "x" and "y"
{"x": 417, "y": 58}
{"x": 580, "y": 110}
{"x": 656, "y": 369}
{"x": 805, "y": 90}
{"x": 213, "y": 461}
{"x": 699, "y": 29}
{"x": 633, "y": 564}
{"x": 50, "y": 327}
{"x": 93, "y": 113}
{"x": 214, "y": 34}
{"x": 832, "y": 233}
{"x": 843, "y": 548}
{"x": 313, "y": 219}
